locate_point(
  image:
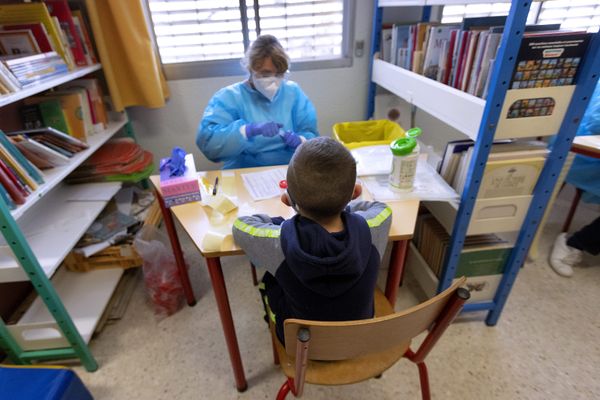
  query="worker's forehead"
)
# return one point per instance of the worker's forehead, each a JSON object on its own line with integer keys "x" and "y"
{"x": 266, "y": 64}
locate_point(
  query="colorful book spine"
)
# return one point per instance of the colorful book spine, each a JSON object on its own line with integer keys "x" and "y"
{"x": 10, "y": 147}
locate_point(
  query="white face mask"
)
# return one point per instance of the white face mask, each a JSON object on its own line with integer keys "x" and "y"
{"x": 267, "y": 86}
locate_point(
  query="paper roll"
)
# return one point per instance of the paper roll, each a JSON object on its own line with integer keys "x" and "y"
{"x": 215, "y": 241}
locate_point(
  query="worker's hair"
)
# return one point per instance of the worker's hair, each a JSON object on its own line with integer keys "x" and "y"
{"x": 266, "y": 46}
{"x": 321, "y": 178}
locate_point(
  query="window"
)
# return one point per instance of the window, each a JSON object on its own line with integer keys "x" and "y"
{"x": 570, "y": 14}
{"x": 198, "y": 38}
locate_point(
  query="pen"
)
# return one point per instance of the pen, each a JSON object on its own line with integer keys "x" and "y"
{"x": 215, "y": 186}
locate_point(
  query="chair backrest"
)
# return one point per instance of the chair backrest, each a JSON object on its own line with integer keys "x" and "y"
{"x": 350, "y": 339}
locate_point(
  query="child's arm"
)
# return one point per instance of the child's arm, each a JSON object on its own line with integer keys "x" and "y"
{"x": 379, "y": 218}
{"x": 258, "y": 236}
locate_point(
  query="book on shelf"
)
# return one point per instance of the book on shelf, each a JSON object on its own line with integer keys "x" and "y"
{"x": 463, "y": 56}
{"x": 549, "y": 59}
{"x": 43, "y": 155}
{"x": 21, "y": 42}
{"x": 484, "y": 254}
{"x": 74, "y": 104}
{"x": 512, "y": 169}
{"x": 8, "y": 79}
{"x": 51, "y": 111}
{"x": 28, "y": 13}
{"x": 86, "y": 44}
{"x": 6, "y": 198}
{"x": 61, "y": 11}
{"x": 15, "y": 154}
{"x": 37, "y": 68}
{"x": 40, "y": 34}
{"x": 95, "y": 96}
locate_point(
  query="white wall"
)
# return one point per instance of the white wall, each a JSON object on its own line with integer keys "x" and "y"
{"x": 338, "y": 94}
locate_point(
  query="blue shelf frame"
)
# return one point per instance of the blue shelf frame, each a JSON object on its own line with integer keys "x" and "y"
{"x": 499, "y": 84}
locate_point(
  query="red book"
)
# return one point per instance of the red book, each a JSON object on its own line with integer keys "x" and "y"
{"x": 13, "y": 177}
{"x": 10, "y": 187}
{"x": 60, "y": 9}
{"x": 464, "y": 46}
{"x": 39, "y": 33}
{"x": 448, "y": 67}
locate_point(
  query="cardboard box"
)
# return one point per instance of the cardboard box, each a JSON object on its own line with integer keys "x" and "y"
{"x": 180, "y": 189}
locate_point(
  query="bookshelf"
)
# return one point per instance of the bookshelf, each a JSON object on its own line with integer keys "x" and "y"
{"x": 38, "y": 235}
{"x": 483, "y": 122}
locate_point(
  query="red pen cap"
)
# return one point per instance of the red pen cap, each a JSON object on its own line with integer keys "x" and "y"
{"x": 283, "y": 184}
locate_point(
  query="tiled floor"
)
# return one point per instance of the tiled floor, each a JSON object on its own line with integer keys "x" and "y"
{"x": 545, "y": 346}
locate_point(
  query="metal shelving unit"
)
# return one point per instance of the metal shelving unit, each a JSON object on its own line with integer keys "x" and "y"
{"x": 478, "y": 120}
{"x": 37, "y": 236}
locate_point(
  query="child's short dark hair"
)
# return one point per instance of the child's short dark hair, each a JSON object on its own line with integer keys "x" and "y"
{"x": 321, "y": 177}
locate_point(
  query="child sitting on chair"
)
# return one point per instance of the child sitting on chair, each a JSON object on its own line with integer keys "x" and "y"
{"x": 322, "y": 264}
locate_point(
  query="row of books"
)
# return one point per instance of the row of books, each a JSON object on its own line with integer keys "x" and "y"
{"x": 482, "y": 254}
{"x": 75, "y": 108}
{"x": 24, "y": 154}
{"x": 462, "y": 56}
{"x": 48, "y": 27}
{"x": 512, "y": 169}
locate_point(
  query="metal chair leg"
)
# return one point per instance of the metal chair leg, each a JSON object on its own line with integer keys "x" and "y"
{"x": 284, "y": 390}
{"x": 424, "y": 378}
{"x": 254, "y": 277}
{"x": 571, "y": 214}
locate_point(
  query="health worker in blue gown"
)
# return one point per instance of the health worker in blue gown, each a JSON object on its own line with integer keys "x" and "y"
{"x": 262, "y": 120}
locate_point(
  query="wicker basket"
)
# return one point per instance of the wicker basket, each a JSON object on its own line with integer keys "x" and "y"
{"x": 123, "y": 256}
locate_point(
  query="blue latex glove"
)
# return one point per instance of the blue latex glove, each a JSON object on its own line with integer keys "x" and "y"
{"x": 268, "y": 129}
{"x": 175, "y": 164}
{"x": 291, "y": 139}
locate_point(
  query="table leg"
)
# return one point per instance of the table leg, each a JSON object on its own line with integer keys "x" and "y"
{"x": 396, "y": 269}
{"x": 176, "y": 246}
{"x": 218, "y": 284}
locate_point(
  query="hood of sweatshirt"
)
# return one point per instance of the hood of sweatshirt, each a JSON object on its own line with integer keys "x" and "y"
{"x": 326, "y": 263}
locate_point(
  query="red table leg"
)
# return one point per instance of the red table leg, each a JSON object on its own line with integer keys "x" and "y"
{"x": 218, "y": 284}
{"x": 396, "y": 270}
{"x": 176, "y": 246}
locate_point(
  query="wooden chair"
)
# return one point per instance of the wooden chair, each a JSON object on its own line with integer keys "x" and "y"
{"x": 339, "y": 353}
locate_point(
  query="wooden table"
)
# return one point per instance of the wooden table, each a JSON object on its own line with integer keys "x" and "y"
{"x": 587, "y": 145}
{"x": 197, "y": 220}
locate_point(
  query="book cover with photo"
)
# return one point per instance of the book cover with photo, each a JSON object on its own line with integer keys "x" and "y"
{"x": 549, "y": 59}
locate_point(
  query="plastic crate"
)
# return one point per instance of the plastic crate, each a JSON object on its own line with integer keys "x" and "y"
{"x": 122, "y": 256}
{"x": 367, "y": 133}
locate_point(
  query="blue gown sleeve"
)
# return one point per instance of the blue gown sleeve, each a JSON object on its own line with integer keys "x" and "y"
{"x": 305, "y": 117}
{"x": 219, "y": 136}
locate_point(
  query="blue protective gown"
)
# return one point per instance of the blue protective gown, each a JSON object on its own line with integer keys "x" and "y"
{"x": 234, "y": 106}
{"x": 585, "y": 171}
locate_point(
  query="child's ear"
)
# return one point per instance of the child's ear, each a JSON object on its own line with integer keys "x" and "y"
{"x": 285, "y": 199}
{"x": 357, "y": 191}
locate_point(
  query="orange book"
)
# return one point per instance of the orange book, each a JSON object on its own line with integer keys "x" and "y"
{"x": 74, "y": 105}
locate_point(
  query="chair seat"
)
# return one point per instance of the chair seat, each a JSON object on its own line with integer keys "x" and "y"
{"x": 347, "y": 371}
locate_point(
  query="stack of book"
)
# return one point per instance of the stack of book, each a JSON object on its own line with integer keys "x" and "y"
{"x": 75, "y": 108}
{"x": 35, "y": 69}
{"x": 481, "y": 255}
{"x": 46, "y": 147}
{"x": 512, "y": 169}
{"x": 117, "y": 160}
{"x": 463, "y": 56}
{"x": 18, "y": 176}
{"x": 30, "y": 29}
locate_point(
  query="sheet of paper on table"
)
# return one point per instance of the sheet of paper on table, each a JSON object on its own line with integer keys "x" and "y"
{"x": 265, "y": 184}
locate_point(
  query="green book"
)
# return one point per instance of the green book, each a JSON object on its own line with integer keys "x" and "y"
{"x": 482, "y": 260}
{"x": 53, "y": 115}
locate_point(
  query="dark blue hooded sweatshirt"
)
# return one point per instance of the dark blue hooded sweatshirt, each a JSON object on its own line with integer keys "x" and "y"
{"x": 324, "y": 276}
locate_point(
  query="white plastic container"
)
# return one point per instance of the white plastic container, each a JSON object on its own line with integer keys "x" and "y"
{"x": 404, "y": 161}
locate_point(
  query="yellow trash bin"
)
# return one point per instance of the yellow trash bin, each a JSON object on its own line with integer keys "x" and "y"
{"x": 367, "y": 133}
